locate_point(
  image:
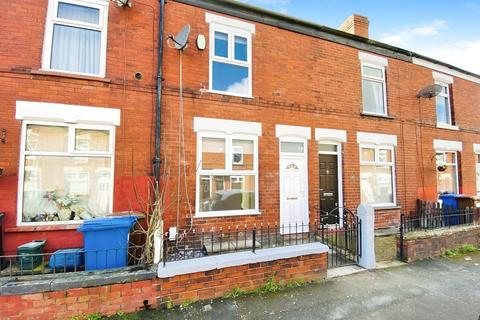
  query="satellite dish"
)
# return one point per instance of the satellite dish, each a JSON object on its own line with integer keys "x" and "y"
{"x": 181, "y": 39}
{"x": 430, "y": 91}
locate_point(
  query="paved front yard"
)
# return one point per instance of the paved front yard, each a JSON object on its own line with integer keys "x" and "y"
{"x": 443, "y": 288}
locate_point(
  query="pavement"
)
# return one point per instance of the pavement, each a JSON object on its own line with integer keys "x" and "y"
{"x": 440, "y": 288}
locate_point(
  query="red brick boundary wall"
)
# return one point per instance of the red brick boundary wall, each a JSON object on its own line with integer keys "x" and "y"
{"x": 130, "y": 297}
{"x": 422, "y": 245}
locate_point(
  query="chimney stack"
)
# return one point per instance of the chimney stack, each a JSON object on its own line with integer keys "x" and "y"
{"x": 356, "y": 24}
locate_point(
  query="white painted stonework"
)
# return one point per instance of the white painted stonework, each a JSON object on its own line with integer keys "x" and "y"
{"x": 331, "y": 135}
{"x": 366, "y": 216}
{"x": 447, "y": 145}
{"x": 293, "y": 131}
{"x": 42, "y": 111}
{"x": 176, "y": 268}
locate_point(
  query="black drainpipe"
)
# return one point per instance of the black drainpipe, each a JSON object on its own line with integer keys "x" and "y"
{"x": 158, "y": 106}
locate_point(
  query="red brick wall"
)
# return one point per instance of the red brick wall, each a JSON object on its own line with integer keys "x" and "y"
{"x": 130, "y": 297}
{"x": 304, "y": 81}
{"x": 131, "y": 47}
{"x": 427, "y": 246}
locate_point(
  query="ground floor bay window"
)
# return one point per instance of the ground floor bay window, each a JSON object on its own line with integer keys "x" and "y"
{"x": 66, "y": 170}
{"x": 227, "y": 169}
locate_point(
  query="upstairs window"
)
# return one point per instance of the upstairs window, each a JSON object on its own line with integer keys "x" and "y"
{"x": 76, "y": 36}
{"x": 230, "y": 56}
{"x": 374, "y": 92}
{"x": 443, "y": 99}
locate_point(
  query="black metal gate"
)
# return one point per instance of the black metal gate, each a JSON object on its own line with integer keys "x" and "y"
{"x": 342, "y": 237}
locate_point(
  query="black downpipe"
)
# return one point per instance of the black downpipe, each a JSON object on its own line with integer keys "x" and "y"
{"x": 158, "y": 105}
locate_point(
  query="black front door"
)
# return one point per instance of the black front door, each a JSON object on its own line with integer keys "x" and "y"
{"x": 328, "y": 187}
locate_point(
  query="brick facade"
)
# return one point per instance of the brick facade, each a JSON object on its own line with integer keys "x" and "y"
{"x": 306, "y": 81}
{"x": 297, "y": 80}
{"x": 130, "y": 297}
{"x": 131, "y": 47}
{"x": 428, "y": 244}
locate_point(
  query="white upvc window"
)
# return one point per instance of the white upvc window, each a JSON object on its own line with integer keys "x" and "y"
{"x": 374, "y": 88}
{"x": 443, "y": 100}
{"x": 76, "y": 37}
{"x": 447, "y": 171}
{"x": 443, "y": 105}
{"x": 225, "y": 185}
{"x": 377, "y": 175}
{"x": 476, "y": 150}
{"x": 230, "y": 56}
{"x": 66, "y": 172}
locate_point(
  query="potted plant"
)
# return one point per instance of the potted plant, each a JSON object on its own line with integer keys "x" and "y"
{"x": 441, "y": 167}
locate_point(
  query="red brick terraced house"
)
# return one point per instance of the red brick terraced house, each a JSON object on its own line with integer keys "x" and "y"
{"x": 264, "y": 118}
{"x": 271, "y": 117}
{"x": 78, "y": 94}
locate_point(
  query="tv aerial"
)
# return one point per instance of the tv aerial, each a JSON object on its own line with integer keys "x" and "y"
{"x": 181, "y": 39}
{"x": 430, "y": 91}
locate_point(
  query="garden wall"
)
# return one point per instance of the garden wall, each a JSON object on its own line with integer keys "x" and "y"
{"x": 108, "y": 299}
{"x": 426, "y": 244}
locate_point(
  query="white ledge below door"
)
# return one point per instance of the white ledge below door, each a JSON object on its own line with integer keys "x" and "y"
{"x": 176, "y": 268}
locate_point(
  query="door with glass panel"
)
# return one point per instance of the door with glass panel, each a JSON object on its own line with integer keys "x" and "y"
{"x": 293, "y": 188}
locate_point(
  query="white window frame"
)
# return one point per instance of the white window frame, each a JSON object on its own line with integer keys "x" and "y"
{"x": 232, "y": 28}
{"x": 377, "y": 62}
{"x": 377, "y": 163}
{"x": 69, "y": 153}
{"x": 455, "y": 164}
{"x": 449, "y": 107}
{"x": 227, "y": 171}
{"x": 51, "y": 20}
{"x": 377, "y": 80}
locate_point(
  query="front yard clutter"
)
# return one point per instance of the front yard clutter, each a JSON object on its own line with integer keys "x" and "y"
{"x": 106, "y": 242}
{"x": 30, "y": 254}
{"x": 67, "y": 259}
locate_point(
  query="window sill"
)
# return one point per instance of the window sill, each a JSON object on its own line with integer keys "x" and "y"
{"x": 226, "y": 94}
{"x": 34, "y": 228}
{"x": 220, "y": 214}
{"x": 43, "y": 72}
{"x": 447, "y": 126}
{"x": 386, "y": 207}
{"x": 376, "y": 115}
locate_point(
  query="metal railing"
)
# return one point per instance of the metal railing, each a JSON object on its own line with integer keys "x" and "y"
{"x": 67, "y": 262}
{"x": 190, "y": 244}
{"x": 439, "y": 218}
{"x": 436, "y": 218}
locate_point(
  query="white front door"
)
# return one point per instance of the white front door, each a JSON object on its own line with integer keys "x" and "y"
{"x": 293, "y": 194}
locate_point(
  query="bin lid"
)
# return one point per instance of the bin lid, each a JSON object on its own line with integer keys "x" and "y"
{"x": 32, "y": 244}
{"x": 107, "y": 223}
{"x": 451, "y": 195}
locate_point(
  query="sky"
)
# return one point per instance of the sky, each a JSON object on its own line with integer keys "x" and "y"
{"x": 446, "y": 30}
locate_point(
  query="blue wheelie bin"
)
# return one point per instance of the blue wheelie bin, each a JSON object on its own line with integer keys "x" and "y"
{"x": 106, "y": 242}
{"x": 450, "y": 208}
